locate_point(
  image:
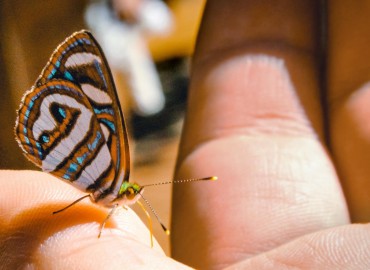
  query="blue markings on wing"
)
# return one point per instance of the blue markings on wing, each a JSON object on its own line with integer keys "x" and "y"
{"x": 93, "y": 145}
{"x": 109, "y": 124}
{"x": 45, "y": 138}
{"x": 30, "y": 105}
{"x": 100, "y": 71}
{"x": 27, "y": 140}
{"x": 39, "y": 149}
{"x": 81, "y": 159}
{"x": 54, "y": 70}
{"x": 52, "y": 73}
{"x": 68, "y": 76}
{"x": 28, "y": 111}
{"x": 62, "y": 112}
{"x": 105, "y": 110}
{"x": 84, "y": 40}
{"x": 72, "y": 168}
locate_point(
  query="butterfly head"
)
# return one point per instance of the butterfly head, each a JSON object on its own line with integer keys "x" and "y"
{"x": 129, "y": 193}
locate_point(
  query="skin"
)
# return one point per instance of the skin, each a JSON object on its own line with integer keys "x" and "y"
{"x": 255, "y": 119}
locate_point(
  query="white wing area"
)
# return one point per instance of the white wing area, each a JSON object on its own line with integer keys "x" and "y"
{"x": 95, "y": 94}
{"x": 46, "y": 122}
{"x": 82, "y": 58}
{"x": 92, "y": 172}
{"x": 81, "y": 129}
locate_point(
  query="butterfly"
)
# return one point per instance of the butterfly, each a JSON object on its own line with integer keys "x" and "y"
{"x": 71, "y": 125}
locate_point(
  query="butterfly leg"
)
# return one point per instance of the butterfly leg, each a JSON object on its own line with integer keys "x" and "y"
{"x": 106, "y": 219}
{"x": 68, "y": 206}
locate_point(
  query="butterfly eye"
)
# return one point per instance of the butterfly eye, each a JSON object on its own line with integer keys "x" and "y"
{"x": 130, "y": 193}
{"x": 58, "y": 112}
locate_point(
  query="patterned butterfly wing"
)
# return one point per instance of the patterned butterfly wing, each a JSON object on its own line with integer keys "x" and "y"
{"x": 70, "y": 123}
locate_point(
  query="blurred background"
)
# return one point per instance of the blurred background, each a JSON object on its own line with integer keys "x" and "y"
{"x": 148, "y": 44}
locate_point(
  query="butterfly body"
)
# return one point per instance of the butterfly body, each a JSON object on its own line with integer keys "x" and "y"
{"x": 70, "y": 123}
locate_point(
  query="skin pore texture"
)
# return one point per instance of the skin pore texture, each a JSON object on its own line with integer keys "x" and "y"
{"x": 289, "y": 150}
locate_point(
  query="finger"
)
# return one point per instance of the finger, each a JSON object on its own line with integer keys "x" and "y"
{"x": 248, "y": 28}
{"x": 349, "y": 99}
{"x": 345, "y": 247}
{"x": 31, "y": 236}
{"x": 254, "y": 120}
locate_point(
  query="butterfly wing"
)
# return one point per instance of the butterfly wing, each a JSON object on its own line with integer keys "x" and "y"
{"x": 70, "y": 123}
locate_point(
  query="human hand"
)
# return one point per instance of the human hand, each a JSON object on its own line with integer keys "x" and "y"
{"x": 282, "y": 143}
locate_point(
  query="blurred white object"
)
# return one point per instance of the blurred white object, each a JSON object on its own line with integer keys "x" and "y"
{"x": 155, "y": 17}
{"x": 126, "y": 51}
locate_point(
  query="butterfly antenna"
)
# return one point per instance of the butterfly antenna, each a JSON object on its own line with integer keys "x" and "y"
{"x": 167, "y": 231}
{"x": 211, "y": 178}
